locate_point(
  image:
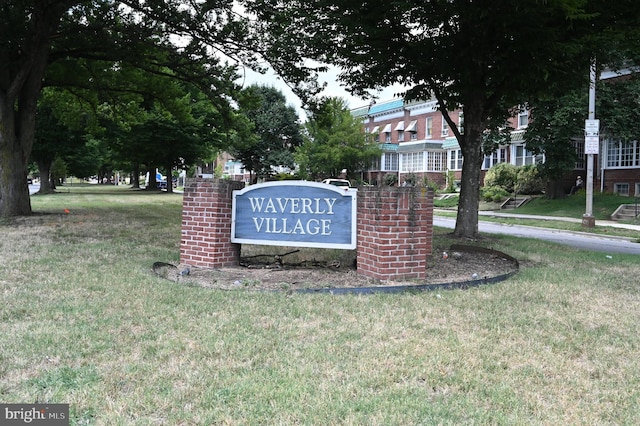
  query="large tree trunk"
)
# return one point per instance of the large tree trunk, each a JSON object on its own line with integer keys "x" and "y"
{"x": 18, "y": 102}
{"x": 471, "y": 145}
{"x": 14, "y": 189}
{"x": 467, "y": 219}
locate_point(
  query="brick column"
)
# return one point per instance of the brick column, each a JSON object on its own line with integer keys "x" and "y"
{"x": 206, "y": 223}
{"x": 395, "y": 232}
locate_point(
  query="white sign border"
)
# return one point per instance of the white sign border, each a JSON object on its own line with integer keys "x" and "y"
{"x": 348, "y": 192}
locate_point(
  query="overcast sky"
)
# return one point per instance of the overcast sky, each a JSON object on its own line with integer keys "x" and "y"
{"x": 333, "y": 89}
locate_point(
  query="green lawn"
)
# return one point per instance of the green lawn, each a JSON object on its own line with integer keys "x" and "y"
{"x": 574, "y": 206}
{"x": 84, "y": 321}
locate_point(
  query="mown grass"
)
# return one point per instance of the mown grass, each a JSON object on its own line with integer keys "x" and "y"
{"x": 84, "y": 321}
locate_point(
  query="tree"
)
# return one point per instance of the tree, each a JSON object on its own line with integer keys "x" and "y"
{"x": 554, "y": 123}
{"x": 334, "y": 142}
{"x": 276, "y": 131}
{"x": 484, "y": 56}
{"x": 557, "y": 121}
{"x": 64, "y": 43}
{"x": 62, "y": 130}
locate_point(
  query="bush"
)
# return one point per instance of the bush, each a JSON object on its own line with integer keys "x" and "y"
{"x": 494, "y": 194}
{"x": 529, "y": 181}
{"x": 503, "y": 175}
{"x": 390, "y": 179}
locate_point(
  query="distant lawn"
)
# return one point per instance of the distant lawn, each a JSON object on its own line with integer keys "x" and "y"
{"x": 84, "y": 321}
{"x": 604, "y": 205}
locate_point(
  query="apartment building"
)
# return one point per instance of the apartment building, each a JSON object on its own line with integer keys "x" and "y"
{"x": 417, "y": 142}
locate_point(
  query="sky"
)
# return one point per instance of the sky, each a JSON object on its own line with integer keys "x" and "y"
{"x": 333, "y": 89}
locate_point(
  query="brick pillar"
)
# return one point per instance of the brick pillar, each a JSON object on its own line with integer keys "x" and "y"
{"x": 206, "y": 223}
{"x": 395, "y": 232}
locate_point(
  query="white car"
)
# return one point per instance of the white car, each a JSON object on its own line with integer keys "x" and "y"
{"x": 338, "y": 182}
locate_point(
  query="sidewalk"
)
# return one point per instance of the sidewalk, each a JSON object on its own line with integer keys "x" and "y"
{"x": 610, "y": 223}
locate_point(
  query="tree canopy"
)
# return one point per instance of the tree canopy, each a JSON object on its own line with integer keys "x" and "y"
{"x": 274, "y": 135}
{"x": 76, "y": 43}
{"x": 334, "y": 141}
{"x": 484, "y": 56}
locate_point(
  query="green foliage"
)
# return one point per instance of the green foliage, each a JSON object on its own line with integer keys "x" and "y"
{"x": 503, "y": 175}
{"x": 529, "y": 180}
{"x": 58, "y": 170}
{"x": 275, "y": 131}
{"x": 390, "y": 179}
{"x": 497, "y": 62}
{"x": 333, "y": 142}
{"x": 450, "y": 177}
{"x": 494, "y": 194}
{"x": 429, "y": 184}
{"x": 101, "y": 50}
{"x": 522, "y": 180}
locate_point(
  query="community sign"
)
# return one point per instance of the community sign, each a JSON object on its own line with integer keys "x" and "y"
{"x": 295, "y": 213}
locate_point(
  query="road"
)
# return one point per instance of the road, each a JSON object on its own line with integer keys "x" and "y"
{"x": 574, "y": 239}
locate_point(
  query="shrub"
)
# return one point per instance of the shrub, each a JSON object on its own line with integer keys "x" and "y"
{"x": 502, "y": 175}
{"x": 494, "y": 194}
{"x": 529, "y": 181}
{"x": 390, "y": 179}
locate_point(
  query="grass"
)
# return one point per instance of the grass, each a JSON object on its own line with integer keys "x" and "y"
{"x": 604, "y": 204}
{"x": 84, "y": 321}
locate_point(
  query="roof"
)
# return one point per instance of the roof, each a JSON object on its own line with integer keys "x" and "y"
{"x": 386, "y": 106}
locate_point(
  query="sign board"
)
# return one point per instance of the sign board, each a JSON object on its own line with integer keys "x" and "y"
{"x": 591, "y": 136}
{"x": 295, "y": 213}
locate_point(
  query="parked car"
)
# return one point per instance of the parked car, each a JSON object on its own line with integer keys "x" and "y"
{"x": 338, "y": 182}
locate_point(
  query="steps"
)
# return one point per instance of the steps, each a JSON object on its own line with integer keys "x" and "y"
{"x": 626, "y": 212}
{"x": 514, "y": 203}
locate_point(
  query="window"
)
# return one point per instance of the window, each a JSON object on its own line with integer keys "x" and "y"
{"x": 623, "y": 154}
{"x": 498, "y": 156}
{"x": 523, "y": 118}
{"x": 524, "y": 157}
{"x": 621, "y": 188}
{"x": 412, "y": 162}
{"x": 400, "y": 129}
{"x": 435, "y": 161}
{"x": 455, "y": 159}
{"x": 412, "y": 129}
{"x": 387, "y": 132}
{"x": 390, "y": 161}
{"x": 376, "y": 133}
{"x": 429, "y": 128}
{"x": 375, "y": 164}
{"x": 461, "y": 123}
{"x": 445, "y": 127}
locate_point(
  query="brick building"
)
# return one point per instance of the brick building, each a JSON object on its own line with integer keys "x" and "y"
{"x": 417, "y": 143}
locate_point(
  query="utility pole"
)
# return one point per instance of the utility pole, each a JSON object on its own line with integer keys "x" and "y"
{"x": 591, "y": 146}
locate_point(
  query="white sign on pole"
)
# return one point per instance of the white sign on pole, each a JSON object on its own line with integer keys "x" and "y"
{"x": 591, "y": 136}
